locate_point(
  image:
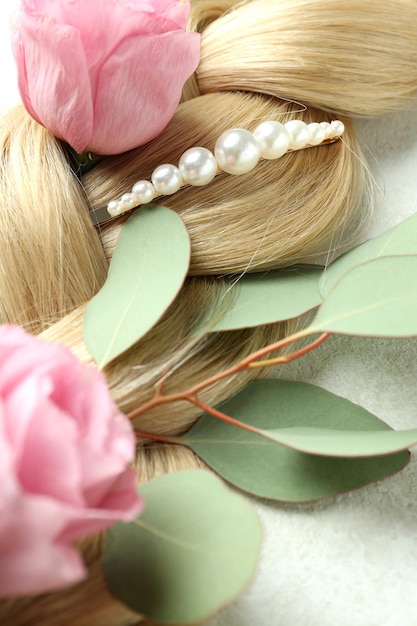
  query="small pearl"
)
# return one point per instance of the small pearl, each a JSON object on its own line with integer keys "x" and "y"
{"x": 129, "y": 200}
{"x": 327, "y": 129}
{"x": 273, "y": 139}
{"x": 115, "y": 207}
{"x": 167, "y": 179}
{"x": 300, "y": 135}
{"x": 317, "y": 134}
{"x": 198, "y": 166}
{"x": 143, "y": 191}
{"x": 338, "y": 128}
{"x": 237, "y": 151}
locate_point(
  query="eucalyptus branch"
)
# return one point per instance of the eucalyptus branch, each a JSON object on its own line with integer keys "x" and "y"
{"x": 253, "y": 360}
{"x": 208, "y": 409}
{"x": 157, "y": 437}
{"x": 287, "y": 358}
{"x": 222, "y": 416}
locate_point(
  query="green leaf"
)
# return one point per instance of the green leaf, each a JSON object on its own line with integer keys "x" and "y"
{"x": 147, "y": 271}
{"x": 375, "y": 299}
{"x": 261, "y": 467}
{"x": 266, "y": 298}
{"x": 399, "y": 240}
{"x": 193, "y": 549}
{"x": 344, "y": 443}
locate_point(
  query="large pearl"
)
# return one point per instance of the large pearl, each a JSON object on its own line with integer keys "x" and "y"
{"x": 326, "y": 126}
{"x": 237, "y": 151}
{"x": 143, "y": 191}
{"x": 198, "y": 166}
{"x": 129, "y": 200}
{"x": 115, "y": 207}
{"x": 300, "y": 135}
{"x": 273, "y": 139}
{"x": 166, "y": 179}
{"x": 338, "y": 128}
{"x": 317, "y": 133}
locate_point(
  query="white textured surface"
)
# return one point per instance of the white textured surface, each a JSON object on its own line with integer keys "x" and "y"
{"x": 352, "y": 560}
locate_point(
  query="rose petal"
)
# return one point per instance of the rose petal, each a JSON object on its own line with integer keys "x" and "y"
{"x": 18, "y": 414}
{"x": 55, "y": 85}
{"x": 51, "y": 464}
{"x": 21, "y": 355}
{"x": 123, "y": 496}
{"x": 25, "y": 518}
{"x": 103, "y": 88}
{"x": 91, "y": 20}
{"x": 176, "y": 12}
{"x": 11, "y": 338}
{"x": 84, "y": 394}
{"x": 121, "y": 503}
{"x": 6, "y": 456}
{"x": 98, "y": 470}
{"x": 156, "y": 85}
{"x": 77, "y": 389}
{"x": 42, "y": 567}
{"x": 30, "y": 559}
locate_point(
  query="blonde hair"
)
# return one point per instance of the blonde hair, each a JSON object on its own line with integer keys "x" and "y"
{"x": 259, "y": 60}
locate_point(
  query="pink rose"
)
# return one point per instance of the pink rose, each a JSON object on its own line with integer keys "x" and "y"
{"x": 104, "y": 75}
{"x": 64, "y": 455}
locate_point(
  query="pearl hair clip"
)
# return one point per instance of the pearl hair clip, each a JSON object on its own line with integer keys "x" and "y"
{"x": 237, "y": 151}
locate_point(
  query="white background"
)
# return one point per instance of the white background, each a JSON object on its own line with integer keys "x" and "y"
{"x": 351, "y": 560}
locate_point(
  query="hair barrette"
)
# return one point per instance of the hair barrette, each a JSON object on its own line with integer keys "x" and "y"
{"x": 237, "y": 151}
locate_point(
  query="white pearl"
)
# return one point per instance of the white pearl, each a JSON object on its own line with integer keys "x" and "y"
{"x": 300, "y": 135}
{"x": 327, "y": 129}
{"x": 237, "y": 151}
{"x": 115, "y": 207}
{"x": 317, "y": 134}
{"x": 129, "y": 200}
{"x": 166, "y": 179}
{"x": 143, "y": 191}
{"x": 198, "y": 166}
{"x": 273, "y": 139}
{"x": 338, "y": 128}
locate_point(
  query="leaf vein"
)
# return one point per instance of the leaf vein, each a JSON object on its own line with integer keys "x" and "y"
{"x": 170, "y": 539}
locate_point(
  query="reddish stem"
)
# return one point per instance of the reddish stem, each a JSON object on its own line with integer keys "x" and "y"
{"x": 287, "y": 358}
{"x": 222, "y": 416}
{"x": 158, "y": 399}
{"x": 155, "y": 437}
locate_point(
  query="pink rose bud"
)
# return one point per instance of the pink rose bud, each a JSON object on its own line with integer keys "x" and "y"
{"x": 65, "y": 451}
{"x": 105, "y": 76}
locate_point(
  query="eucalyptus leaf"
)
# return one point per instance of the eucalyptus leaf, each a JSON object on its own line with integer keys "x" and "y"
{"x": 261, "y": 467}
{"x": 344, "y": 443}
{"x": 193, "y": 549}
{"x": 147, "y": 271}
{"x": 266, "y": 298}
{"x": 376, "y": 299}
{"x": 399, "y": 240}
